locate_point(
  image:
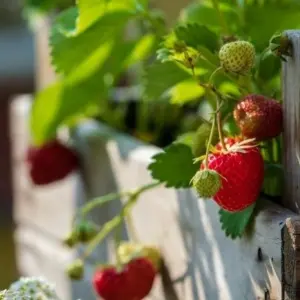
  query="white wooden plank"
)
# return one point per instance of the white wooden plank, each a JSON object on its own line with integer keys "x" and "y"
{"x": 291, "y": 97}
{"x": 39, "y": 206}
{"x": 205, "y": 264}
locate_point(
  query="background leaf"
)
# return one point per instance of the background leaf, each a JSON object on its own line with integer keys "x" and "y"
{"x": 162, "y": 76}
{"x": 92, "y": 10}
{"x": 195, "y": 35}
{"x": 69, "y": 52}
{"x": 174, "y": 166}
{"x": 204, "y": 13}
{"x": 268, "y": 19}
{"x": 186, "y": 91}
{"x": 81, "y": 93}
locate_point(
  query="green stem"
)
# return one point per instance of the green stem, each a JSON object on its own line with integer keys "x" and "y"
{"x": 131, "y": 229}
{"x": 118, "y": 237}
{"x": 97, "y": 202}
{"x": 232, "y": 78}
{"x": 270, "y": 151}
{"x": 145, "y": 188}
{"x": 275, "y": 150}
{"x": 210, "y": 140}
{"x": 108, "y": 227}
{"x": 219, "y": 124}
{"x": 221, "y": 16}
{"x": 216, "y": 71}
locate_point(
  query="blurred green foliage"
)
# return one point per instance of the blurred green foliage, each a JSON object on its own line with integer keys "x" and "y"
{"x": 95, "y": 43}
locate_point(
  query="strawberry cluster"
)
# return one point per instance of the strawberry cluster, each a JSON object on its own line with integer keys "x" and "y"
{"x": 132, "y": 281}
{"x": 131, "y": 278}
{"x": 232, "y": 172}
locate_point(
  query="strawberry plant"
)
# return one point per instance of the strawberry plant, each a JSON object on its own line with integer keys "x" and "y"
{"x": 216, "y": 59}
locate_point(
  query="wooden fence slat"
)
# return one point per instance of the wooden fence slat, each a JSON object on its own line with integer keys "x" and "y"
{"x": 291, "y": 136}
{"x": 291, "y": 161}
{"x": 291, "y": 259}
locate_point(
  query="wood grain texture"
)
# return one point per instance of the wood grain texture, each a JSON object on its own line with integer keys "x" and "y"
{"x": 291, "y": 136}
{"x": 203, "y": 264}
{"x": 291, "y": 259}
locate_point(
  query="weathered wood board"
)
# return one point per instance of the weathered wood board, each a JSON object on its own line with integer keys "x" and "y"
{"x": 291, "y": 102}
{"x": 203, "y": 263}
{"x": 291, "y": 163}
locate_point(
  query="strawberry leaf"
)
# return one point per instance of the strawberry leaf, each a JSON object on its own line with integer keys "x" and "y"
{"x": 80, "y": 93}
{"x": 174, "y": 166}
{"x": 235, "y": 224}
{"x": 195, "y": 35}
{"x": 160, "y": 77}
{"x": 85, "y": 44}
{"x": 90, "y": 11}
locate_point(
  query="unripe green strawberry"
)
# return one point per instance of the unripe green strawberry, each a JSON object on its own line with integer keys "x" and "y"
{"x": 83, "y": 232}
{"x": 86, "y": 231}
{"x": 207, "y": 183}
{"x": 237, "y": 57}
{"x": 71, "y": 240}
{"x": 201, "y": 138}
{"x": 75, "y": 270}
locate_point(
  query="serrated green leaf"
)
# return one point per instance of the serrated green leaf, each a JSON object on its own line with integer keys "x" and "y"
{"x": 235, "y": 224}
{"x": 162, "y": 76}
{"x": 186, "y": 91}
{"x": 142, "y": 49}
{"x": 195, "y": 35}
{"x": 204, "y": 13}
{"x": 65, "y": 103}
{"x": 91, "y": 10}
{"x": 40, "y": 117}
{"x": 69, "y": 52}
{"x": 174, "y": 167}
{"x": 81, "y": 92}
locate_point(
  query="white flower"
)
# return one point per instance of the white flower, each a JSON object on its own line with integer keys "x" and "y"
{"x": 30, "y": 288}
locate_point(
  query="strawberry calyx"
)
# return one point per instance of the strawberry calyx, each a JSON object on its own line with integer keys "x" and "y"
{"x": 234, "y": 145}
{"x": 105, "y": 266}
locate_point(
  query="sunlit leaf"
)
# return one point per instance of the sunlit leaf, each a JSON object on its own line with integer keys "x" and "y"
{"x": 162, "y": 76}
{"x": 174, "y": 166}
{"x": 92, "y": 10}
{"x": 69, "y": 52}
{"x": 186, "y": 91}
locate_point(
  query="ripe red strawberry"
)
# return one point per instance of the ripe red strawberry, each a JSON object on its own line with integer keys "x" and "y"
{"x": 259, "y": 117}
{"x": 133, "y": 282}
{"x": 242, "y": 170}
{"x": 50, "y": 162}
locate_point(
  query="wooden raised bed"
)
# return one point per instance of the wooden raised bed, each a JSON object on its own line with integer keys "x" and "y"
{"x": 202, "y": 262}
